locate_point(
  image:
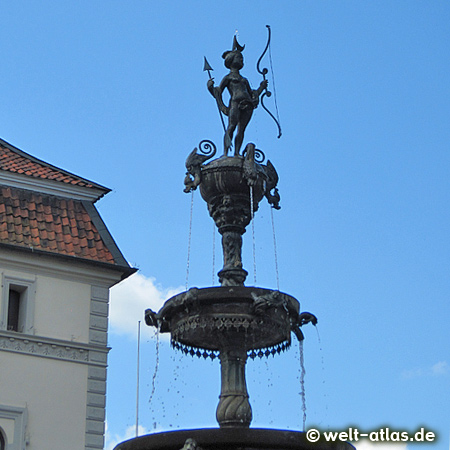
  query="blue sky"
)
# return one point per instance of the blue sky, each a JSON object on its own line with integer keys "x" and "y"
{"x": 114, "y": 91}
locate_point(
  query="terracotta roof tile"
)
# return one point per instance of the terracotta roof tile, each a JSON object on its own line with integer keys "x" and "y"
{"x": 15, "y": 161}
{"x": 51, "y": 224}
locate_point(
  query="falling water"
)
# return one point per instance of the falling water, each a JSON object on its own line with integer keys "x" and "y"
{"x": 275, "y": 249}
{"x": 321, "y": 353}
{"x": 318, "y": 336}
{"x": 213, "y": 255}
{"x": 179, "y": 383}
{"x": 189, "y": 240}
{"x": 302, "y": 383}
{"x": 270, "y": 381}
{"x": 323, "y": 371}
{"x": 156, "y": 368}
{"x": 253, "y": 233}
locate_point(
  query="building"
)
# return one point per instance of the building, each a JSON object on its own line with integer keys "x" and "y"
{"x": 57, "y": 263}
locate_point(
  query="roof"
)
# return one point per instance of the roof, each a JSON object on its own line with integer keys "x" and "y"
{"x": 50, "y": 211}
{"x": 57, "y": 225}
{"x": 16, "y": 161}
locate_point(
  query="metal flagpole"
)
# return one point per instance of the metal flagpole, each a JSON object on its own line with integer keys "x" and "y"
{"x": 137, "y": 381}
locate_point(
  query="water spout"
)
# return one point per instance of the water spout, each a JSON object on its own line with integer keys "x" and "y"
{"x": 302, "y": 319}
{"x": 307, "y": 317}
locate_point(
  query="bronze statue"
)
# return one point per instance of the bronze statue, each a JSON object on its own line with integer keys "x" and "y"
{"x": 243, "y": 99}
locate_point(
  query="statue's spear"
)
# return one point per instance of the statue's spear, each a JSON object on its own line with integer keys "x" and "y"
{"x": 208, "y": 68}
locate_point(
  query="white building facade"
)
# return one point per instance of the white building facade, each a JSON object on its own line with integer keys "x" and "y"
{"x": 57, "y": 263}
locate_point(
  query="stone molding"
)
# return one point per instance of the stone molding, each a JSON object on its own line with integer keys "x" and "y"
{"x": 47, "y": 264}
{"x": 51, "y": 187}
{"x": 53, "y": 348}
{"x": 96, "y": 389}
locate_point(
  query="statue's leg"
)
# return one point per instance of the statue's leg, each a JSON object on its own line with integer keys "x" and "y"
{"x": 245, "y": 116}
{"x": 233, "y": 117}
{"x": 226, "y": 143}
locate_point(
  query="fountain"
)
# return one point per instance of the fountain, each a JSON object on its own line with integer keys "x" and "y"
{"x": 232, "y": 322}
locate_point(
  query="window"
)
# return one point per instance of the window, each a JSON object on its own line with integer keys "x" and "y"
{"x": 17, "y": 305}
{"x": 14, "y": 309}
{"x": 13, "y": 424}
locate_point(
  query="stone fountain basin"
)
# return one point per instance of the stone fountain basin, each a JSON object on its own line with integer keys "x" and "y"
{"x": 226, "y": 176}
{"x": 243, "y": 317}
{"x": 231, "y": 438}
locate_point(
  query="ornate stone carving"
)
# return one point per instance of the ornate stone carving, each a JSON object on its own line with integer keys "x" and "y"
{"x": 228, "y": 185}
{"x": 263, "y": 303}
{"x": 34, "y": 346}
{"x": 194, "y": 163}
{"x": 271, "y": 183}
{"x": 191, "y": 444}
{"x": 302, "y": 319}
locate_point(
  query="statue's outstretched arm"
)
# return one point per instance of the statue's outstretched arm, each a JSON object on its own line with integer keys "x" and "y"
{"x": 255, "y": 93}
{"x": 262, "y": 86}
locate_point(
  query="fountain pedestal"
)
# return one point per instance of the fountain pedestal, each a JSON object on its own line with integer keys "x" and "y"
{"x": 232, "y": 189}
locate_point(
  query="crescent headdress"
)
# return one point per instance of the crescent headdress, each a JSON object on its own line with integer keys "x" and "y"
{"x": 236, "y": 48}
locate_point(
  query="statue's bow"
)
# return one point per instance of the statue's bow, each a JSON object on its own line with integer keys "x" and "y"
{"x": 263, "y": 72}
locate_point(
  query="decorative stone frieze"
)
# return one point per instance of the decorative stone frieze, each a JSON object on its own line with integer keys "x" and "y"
{"x": 49, "y": 348}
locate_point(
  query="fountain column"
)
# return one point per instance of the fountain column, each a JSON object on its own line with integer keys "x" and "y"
{"x": 225, "y": 187}
{"x": 234, "y": 408}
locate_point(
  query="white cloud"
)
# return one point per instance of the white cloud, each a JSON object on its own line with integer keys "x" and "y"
{"x": 112, "y": 440}
{"x": 438, "y": 369}
{"x": 130, "y": 299}
{"x": 367, "y": 445}
{"x": 413, "y": 373}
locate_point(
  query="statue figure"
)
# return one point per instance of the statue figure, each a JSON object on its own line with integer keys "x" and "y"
{"x": 243, "y": 99}
{"x": 191, "y": 444}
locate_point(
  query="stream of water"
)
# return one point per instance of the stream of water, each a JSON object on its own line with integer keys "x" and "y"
{"x": 155, "y": 373}
{"x": 322, "y": 361}
{"x": 302, "y": 383}
{"x": 253, "y": 233}
{"x": 275, "y": 249}
{"x": 189, "y": 241}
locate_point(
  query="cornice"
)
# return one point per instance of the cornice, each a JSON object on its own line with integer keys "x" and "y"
{"x": 51, "y": 187}
{"x": 53, "y": 348}
{"x": 65, "y": 267}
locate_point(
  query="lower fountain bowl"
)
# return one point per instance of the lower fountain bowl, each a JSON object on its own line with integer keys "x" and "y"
{"x": 230, "y": 439}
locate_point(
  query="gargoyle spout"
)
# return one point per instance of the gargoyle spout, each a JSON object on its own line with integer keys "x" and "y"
{"x": 302, "y": 319}
{"x": 151, "y": 318}
{"x": 306, "y": 317}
